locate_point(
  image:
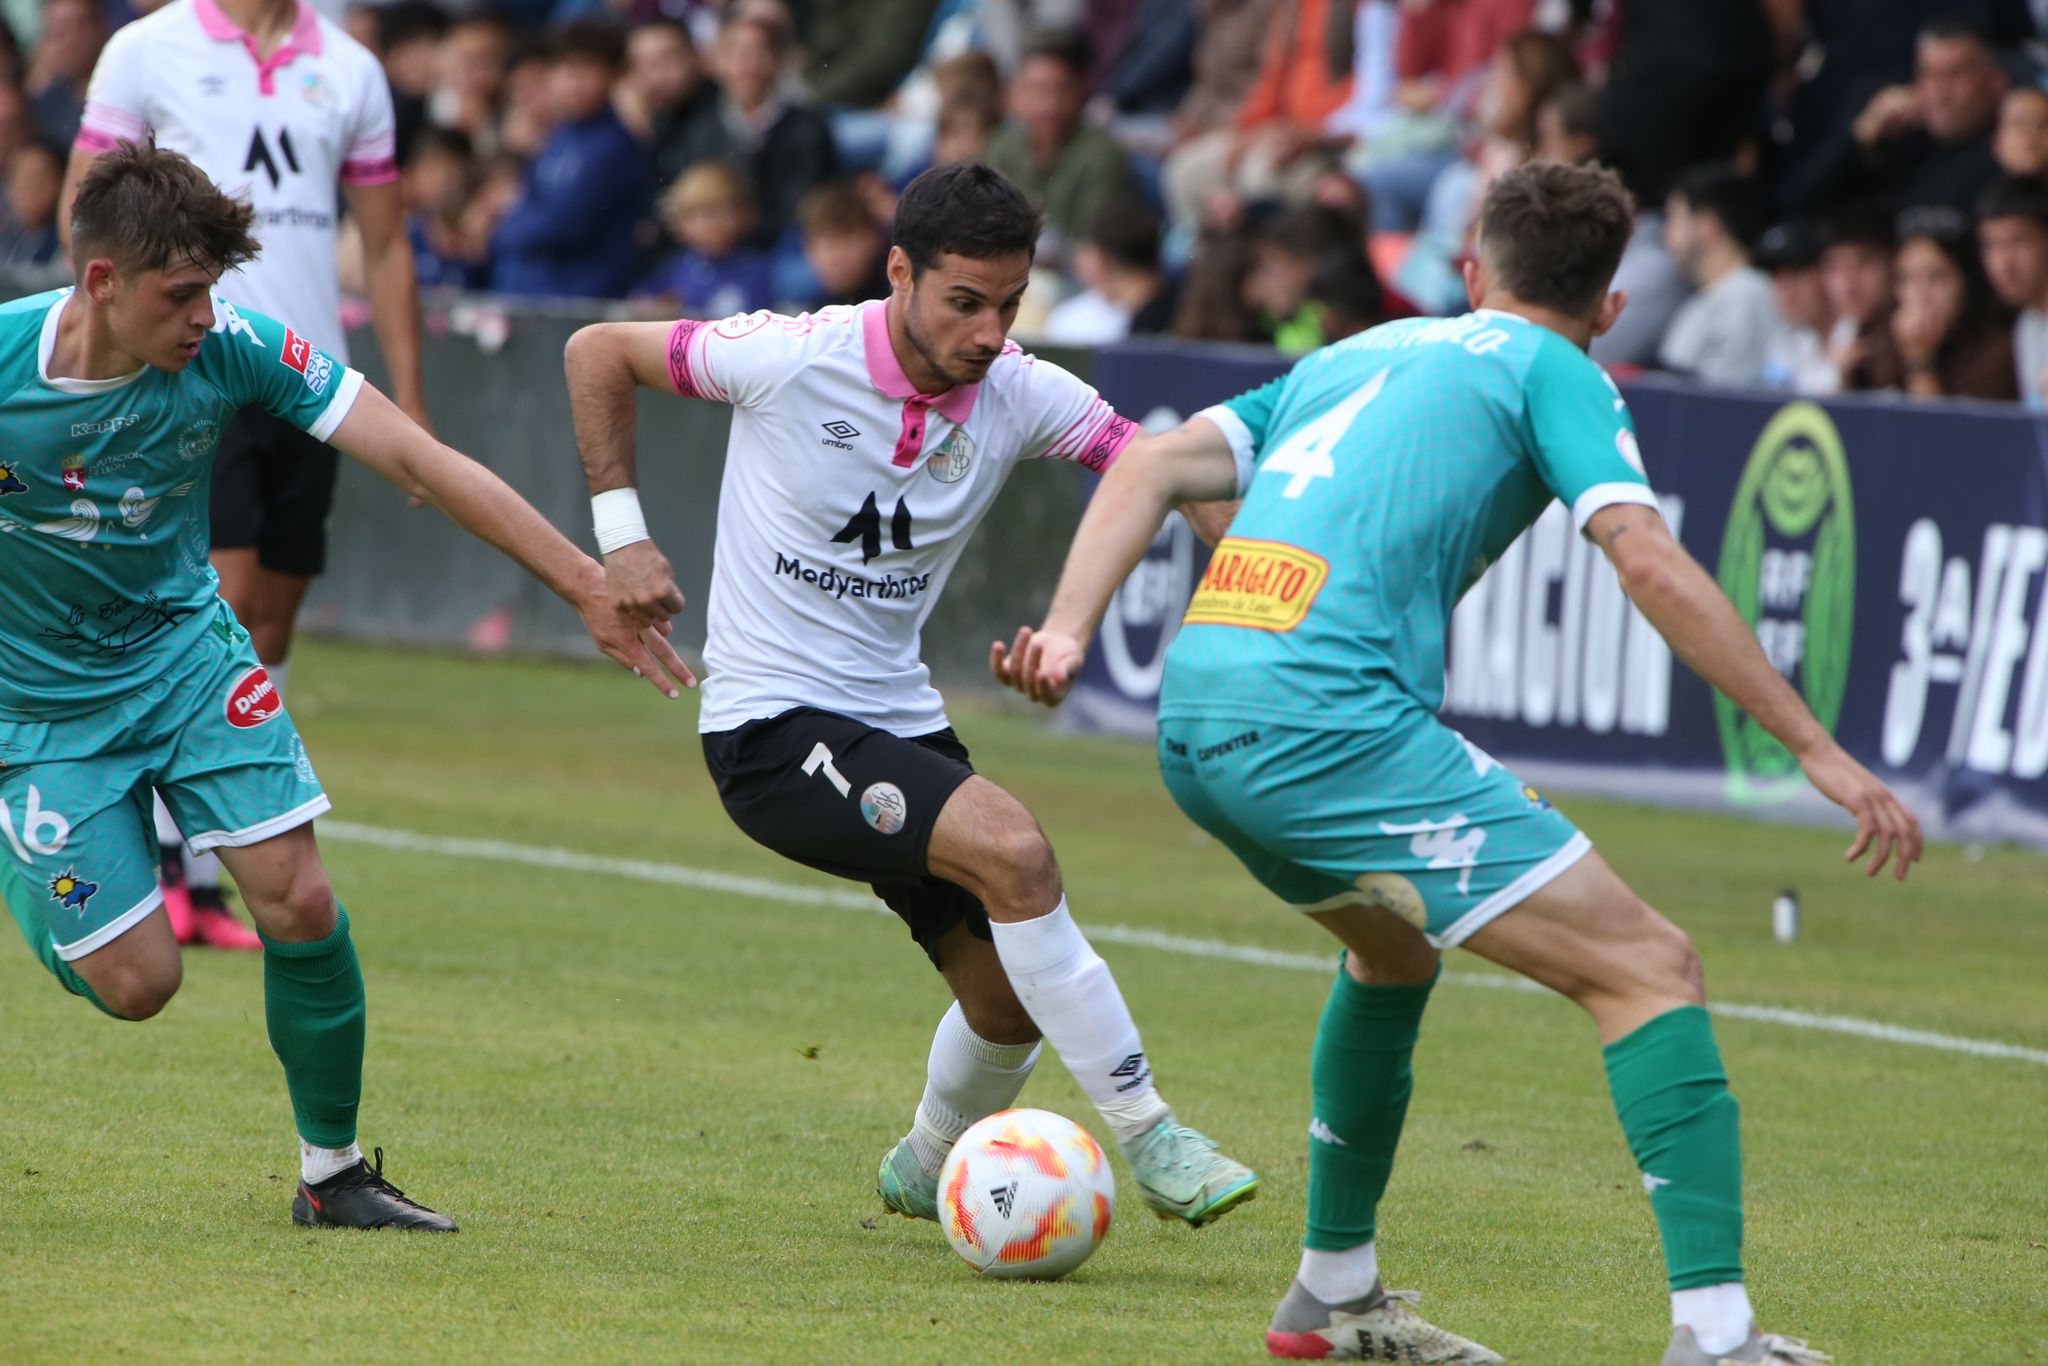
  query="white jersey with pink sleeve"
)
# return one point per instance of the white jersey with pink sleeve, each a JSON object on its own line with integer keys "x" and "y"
{"x": 287, "y": 130}
{"x": 847, "y": 499}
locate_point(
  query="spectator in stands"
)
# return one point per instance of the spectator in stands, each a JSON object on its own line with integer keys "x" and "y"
{"x": 1212, "y": 306}
{"x": 844, "y": 246}
{"x": 1567, "y": 125}
{"x": 1276, "y": 144}
{"x": 435, "y": 183}
{"x": 1924, "y": 143}
{"x": 1797, "y": 357}
{"x": 1856, "y": 273}
{"x": 1350, "y": 297}
{"x": 74, "y": 31}
{"x": 31, "y": 257}
{"x": 1144, "y": 54}
{"x": 785, "y": 147}
{"x": 572, "y": 229}
{"x": 1720, "y": 334}
{"x": 1287, "y": 252}
{"x": 1066, "y": 168}
{"x": 714, "y": 274}
{"x": 859, "y": 51}
{"x": 2021, "y": 143}
{"x": 1949, "y": 336}
{"x": 2012, "y": 235}
{"x": 1229, "y": 37}
{"x": 1682, "y": 87}
{"x": 409, "y": 36}
{"x": 1123, "y": 288}
{"x": 966, "y": 123}
{"x": 659, "y": 93}
{"x": 470, "y": 85}
{"x": 528, "y": 115}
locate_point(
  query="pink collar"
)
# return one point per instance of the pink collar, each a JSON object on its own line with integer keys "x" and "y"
{"x": 886, "y": 375}
{"x": 303, "y": 41}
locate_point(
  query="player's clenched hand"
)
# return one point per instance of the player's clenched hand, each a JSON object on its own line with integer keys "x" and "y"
{"x": 642, "y": 585}
{"x": 1042, "y": 664}
{"x": 1884, "y": 827}
{"x": 643, "y": 649}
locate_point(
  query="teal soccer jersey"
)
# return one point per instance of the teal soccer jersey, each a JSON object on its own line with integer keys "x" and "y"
{"x": 121, "y": 670}
{"x": 103, "y": 499}
{"x": 1298, "y": 713}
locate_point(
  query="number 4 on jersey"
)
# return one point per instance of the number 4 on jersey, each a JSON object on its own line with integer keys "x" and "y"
{"x": 1306, "y": 454}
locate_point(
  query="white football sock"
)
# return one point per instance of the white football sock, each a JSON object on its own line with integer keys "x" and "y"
{"x": 1340, "y": 1277}
{"x": 202, "y": 871}
{"x": 317, "y": 1164}
{"x": 277, "y": 672}
{"x": 1074, "y": 1001}
{"x": 167, "y": 833}
{"x": 1719, "y": 1315}
{"x": 966, "y": 1078}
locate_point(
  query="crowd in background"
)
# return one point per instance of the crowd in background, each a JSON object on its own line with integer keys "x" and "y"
{"x": 1837, "y": 194}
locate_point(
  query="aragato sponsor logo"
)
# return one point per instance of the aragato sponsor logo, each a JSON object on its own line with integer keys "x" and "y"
{"x": 253, "y": 699}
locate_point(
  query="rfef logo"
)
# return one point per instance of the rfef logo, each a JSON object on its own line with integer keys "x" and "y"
{"x": 1788, "y": 562}
{"x": 253, "y": 700}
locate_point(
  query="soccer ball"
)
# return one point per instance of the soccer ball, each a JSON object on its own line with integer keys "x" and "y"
{"x": 1026, "y": 1194}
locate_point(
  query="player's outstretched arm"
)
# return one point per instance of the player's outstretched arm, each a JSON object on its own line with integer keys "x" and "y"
{"x": 1688, "y": 608}
{"x": 378, "y": 435}
{"x": 606, "y": 364}
{"x": 1190, "y": 464}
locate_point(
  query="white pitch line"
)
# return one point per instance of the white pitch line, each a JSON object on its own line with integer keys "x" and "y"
{"x": 766, "y": 889}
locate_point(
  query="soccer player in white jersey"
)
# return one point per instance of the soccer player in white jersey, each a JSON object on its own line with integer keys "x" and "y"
{"x": 121, "y": 670}
{"x": 275, "y": 102}
{"x": 867, "y": 444}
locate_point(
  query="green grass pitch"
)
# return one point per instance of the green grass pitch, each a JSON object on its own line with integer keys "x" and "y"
{"x": 657, "y": 1110}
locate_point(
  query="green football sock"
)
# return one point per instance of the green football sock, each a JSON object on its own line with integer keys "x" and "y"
{"x": 313, "y": 1003}
{"x": 1684, "y": 1128}
{"x": 1360, "y": 1077}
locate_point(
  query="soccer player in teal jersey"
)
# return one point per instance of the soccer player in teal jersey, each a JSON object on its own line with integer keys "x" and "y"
{"x": 121, "y": 670}
{"x": 1297, "y": 723}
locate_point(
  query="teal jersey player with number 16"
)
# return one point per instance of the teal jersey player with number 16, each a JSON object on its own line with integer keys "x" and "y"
{"x": 1297, "y": 724}
{"x": 122, "y": 671}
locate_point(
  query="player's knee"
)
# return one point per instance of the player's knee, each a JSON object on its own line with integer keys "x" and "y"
{"x": 300, "y": 910}
{"x": 138, "y": 991}
{"x": 1019, "y": 870}
{"x": 1668, "y": 958}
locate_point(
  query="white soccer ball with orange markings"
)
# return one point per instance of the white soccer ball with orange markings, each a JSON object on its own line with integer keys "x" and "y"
{"x": 1026, "y": 1194}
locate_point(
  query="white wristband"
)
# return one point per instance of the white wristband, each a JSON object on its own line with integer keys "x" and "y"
{"x": 615, "y": 518}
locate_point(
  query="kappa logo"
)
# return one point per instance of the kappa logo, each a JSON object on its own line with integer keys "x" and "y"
{"x": 228, "y": 321}
{"x": 839, "y": 434}
{"x": 253, "y": 700}
{"x": 1004, "y": 1197}
{"x": 1323, "y": 1133}
{"x": 1650, "y": 1183}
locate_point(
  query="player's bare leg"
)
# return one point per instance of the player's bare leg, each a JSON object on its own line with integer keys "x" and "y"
{"x": 988, "y": 843}
{"x": 981, "y": 1056}
{"x": 136, "y": 975}
{"x": 1360, "y": 1075}
{"x": 1590, "y": 938}
{"x": 313, "y": 1003}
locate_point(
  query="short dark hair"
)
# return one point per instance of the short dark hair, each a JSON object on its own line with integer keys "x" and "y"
{"x": 145, "y": 208}
{"x": 1069, "y": 47}
{"x": 1349, "y": 292}
{"x": 1552, "y": 234}
{"x": 1127, "y": 232}
{"x": 2014, "y": 196}
{"x": 1955, "y": 28}
{"x": 590, "y": 40}
{"x": 1729, "y": 196}
{"x": 410, "y": 21}
{"x": 1857, "y": 224}
{"x": 834, "y": 208}
{"x": 965, "y": 209}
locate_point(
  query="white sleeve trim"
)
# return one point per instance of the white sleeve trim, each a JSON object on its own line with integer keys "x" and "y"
{"x": 345, "y": 394}
{"x": 1606, "y": 496}
{"x": 1240, "y": 438}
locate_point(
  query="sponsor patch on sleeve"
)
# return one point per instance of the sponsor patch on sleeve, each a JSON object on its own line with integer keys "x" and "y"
{"x": 1265, "y": 585}
{"x": 301, "y": 355}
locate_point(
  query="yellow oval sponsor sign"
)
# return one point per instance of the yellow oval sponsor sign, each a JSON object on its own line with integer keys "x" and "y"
{"x": 1266, "y": 585}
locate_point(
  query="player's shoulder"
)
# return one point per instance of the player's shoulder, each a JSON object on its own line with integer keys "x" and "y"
{"x": 342, "y": 51}
{"x": 21, "y": 335}
{"x": 1556, "y": 364}
{"x": 823, "y": 330}
{"x": 28, "y": 310}
{"x": 1021, "y": 382}
{"x": 235, "y": 327}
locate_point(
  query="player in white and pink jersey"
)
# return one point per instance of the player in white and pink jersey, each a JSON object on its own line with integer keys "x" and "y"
{"x": 283, "y": 108}
{"x": 867, "y": 444}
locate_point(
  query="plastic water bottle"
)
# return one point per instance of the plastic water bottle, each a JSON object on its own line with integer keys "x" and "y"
{"x": 1785, "y": 916}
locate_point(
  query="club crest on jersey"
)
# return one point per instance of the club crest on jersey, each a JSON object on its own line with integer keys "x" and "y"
{"x": 300, "y": 355}
{"x": 74, "y": 473}
{"x": 71, "y": 891}
{"x": 253, "y": 700}
{"x": 10, "y": 482}
{"x": 317, "y": 91}
{"x": 949, "y": 463}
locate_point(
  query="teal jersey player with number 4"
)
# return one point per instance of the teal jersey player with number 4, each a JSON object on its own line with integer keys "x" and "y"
{"x": 1297, "y": 724}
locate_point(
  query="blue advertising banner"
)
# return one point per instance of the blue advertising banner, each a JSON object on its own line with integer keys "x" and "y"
{"x": 1891, "y": 555}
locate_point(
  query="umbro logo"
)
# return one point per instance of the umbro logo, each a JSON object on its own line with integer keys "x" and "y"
{"x": 213, "y": 85}
{"x": 1323, "y": 1133}
{"x": 839, "y": 433}
{"x": 1005, "y": 1198}
{"x": 1129, "y": 1067}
